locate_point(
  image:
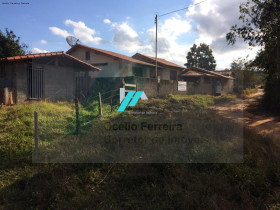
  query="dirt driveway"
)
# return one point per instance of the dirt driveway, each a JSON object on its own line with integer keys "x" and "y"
{"x": 246, "y": 111}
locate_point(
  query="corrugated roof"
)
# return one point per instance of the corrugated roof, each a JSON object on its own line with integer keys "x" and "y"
{"x": 160, "y": 61}
{"x": 40, "y": 55}
{"x": 106, "y": 52}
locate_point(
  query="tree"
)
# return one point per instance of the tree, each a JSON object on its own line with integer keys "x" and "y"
{"x": 246, "y": 76}
{"x": 10, "y": 44}
{"x": 261, "y": 26}
{"x": 201, "y": 56}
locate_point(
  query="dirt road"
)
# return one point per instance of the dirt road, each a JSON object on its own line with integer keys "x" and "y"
{"x": 246, "y": 111}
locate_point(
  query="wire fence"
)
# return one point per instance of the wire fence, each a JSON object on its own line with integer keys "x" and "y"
{"x": 78, "y": 118}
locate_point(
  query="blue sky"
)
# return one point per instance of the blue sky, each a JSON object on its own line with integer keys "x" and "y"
{"x": 126, "y": 26}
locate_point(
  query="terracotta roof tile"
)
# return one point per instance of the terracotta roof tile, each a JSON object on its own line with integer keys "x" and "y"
{"x": 112, "y": 54}
{"x": 159, "y": 60}
{"x": 38, "y": 55}
{"x": 193, "y": 73}
{"x": 205, "y": 72}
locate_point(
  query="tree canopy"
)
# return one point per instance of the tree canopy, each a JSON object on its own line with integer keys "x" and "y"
{"x": 10, "y": 44}
{"x": 246, "y": 76}
{"x": 260, "y": 26}
{"x": 201, "y": 56}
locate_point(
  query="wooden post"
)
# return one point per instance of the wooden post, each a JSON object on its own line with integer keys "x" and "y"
{"x": 11, "y": 97}
{"x": 111, "y": 103}
{"x": 100, "y": 104}
{"x": 36, "y": 130}
{"x": 6, "y": 96}
{"x": 158, "y": 86}
{"x": 77, "y": 115}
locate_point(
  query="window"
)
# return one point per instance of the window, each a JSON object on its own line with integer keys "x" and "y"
{"x": 87, "y": 55}
{"x": 2, "y": 71}
{"x": 173, "y": 75}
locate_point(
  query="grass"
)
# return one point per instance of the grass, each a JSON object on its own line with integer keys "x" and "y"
{"x": 248, "y": 92}
{"x": 26, "y": 185}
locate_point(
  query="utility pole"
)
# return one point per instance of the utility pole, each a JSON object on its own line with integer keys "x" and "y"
{"x": 156, "y": 22}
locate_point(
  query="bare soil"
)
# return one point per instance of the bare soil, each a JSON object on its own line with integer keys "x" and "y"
{"x": 248, "y": 112}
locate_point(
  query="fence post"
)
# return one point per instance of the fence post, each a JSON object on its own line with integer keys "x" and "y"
{"x": 111, "y": 103}
{"x": 36, "y": 130}
{"x": 77, "y": 115}
{"x": 100, "y": 104}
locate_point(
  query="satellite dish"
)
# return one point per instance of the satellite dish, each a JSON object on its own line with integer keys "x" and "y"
{"x": 71, "y": 40}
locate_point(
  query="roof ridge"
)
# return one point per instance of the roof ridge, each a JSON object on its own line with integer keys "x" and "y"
{"x": 40, "y": 55}
{"x": 168, "y": 63}
{"x": 210, "y": 72}
{"x": 110, "y": 53}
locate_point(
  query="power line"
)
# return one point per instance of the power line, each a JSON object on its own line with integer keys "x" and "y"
{"x": 181, "y": 9}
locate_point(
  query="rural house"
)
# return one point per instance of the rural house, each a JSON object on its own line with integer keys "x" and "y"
{"x": 118, "y": 69}
{"x": 54, "y": 76}
{"x": 112, "y": 64}
{"x": 64, "y": 76}
{"x": 202, "y": 81}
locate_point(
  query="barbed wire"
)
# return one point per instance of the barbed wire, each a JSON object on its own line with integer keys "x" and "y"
{"x": 111, "y": 96}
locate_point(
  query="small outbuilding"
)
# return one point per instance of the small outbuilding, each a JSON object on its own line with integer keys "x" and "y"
{"x": 53, "y": 76}
{"x": 202, "y": 81}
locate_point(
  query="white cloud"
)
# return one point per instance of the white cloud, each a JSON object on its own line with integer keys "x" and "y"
{"x": 37, "y": 50}
{"x": 107, "y": 21}
{"x": 43, "y": 41}
{"x": 83, "y": 33}
{"x": 213, "y": 19}
{"x": 126, "y": 38}
{"x": 225, "y": 59}
{"x": 168, "y": 46}
{"x": 210, "y": 21}
{"x": 174, "y": 27}
{"x": 59, "y": 32}
{"x": 80, "y": 31}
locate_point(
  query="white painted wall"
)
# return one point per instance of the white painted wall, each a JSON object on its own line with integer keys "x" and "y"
{"x": 112, "y": 70}
{"x": 80, "y": 53}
